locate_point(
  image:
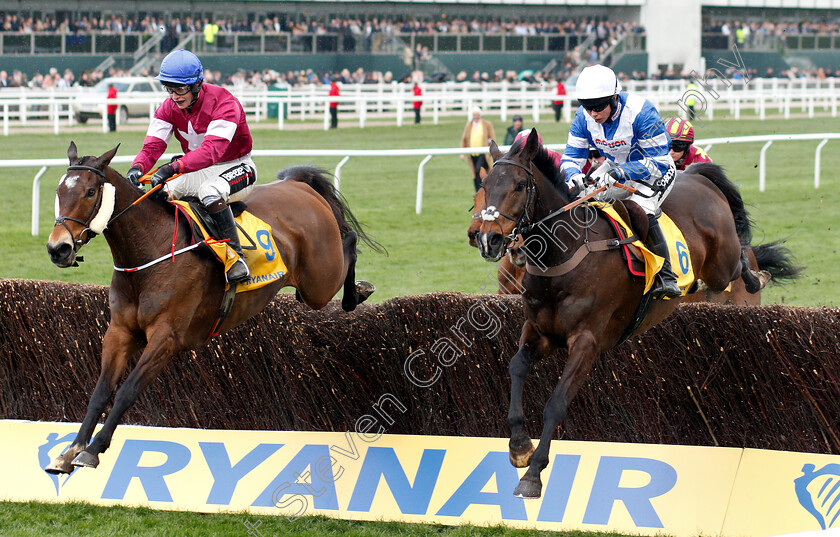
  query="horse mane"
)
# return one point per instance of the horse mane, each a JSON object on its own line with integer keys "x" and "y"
{"x": 544, "y": 162}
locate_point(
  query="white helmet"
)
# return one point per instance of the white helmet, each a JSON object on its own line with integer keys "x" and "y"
{"x": 597, "y": 82}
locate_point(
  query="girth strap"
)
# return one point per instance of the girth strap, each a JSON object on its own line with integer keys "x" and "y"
{"x": 580, "y": 254}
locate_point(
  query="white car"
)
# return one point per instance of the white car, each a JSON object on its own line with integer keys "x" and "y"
{"x": 89, "y": 104}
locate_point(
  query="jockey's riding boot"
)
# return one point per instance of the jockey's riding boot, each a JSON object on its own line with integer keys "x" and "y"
{"x": 227, "y": 228}
{"x": 657, "y": 243}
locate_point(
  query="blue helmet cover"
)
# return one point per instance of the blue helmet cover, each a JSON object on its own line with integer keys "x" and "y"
{"x": 181, "y": 67}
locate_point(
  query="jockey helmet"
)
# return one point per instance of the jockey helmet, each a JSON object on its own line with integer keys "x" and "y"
{"x": 681, "y": 133}
{"x": 180, "y": 68}
{"x": 596, "y": 87}
{"x": 680, "y": 129}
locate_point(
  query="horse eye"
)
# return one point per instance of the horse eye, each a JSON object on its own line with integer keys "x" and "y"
{"x": 91, "y": 192}
{"x": 520, "y": 186}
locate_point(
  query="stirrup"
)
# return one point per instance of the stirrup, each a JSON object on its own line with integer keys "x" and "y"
{"x": 236, "y": 275}
{"x": 663, "y": 290}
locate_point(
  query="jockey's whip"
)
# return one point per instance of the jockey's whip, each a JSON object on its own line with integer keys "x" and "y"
{"x": 597, "y": 191}
{"x": 145, "y": 179}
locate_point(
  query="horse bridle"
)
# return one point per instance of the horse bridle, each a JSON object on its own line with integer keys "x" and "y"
{"x": 522, "y": 224}
{"x": 62, "y": 220}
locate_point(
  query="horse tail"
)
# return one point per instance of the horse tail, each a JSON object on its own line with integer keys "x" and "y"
{"x": 778, "y": 261}
{"x": 318, "y": 179}
{"x": 714, "y": 173}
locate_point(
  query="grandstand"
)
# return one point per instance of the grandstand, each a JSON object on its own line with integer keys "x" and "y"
{"x": 653, "y": 38}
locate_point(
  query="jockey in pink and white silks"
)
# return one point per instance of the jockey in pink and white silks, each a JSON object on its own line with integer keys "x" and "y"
{"x": 210, "y": 124}
{"x": 627, "y": 129}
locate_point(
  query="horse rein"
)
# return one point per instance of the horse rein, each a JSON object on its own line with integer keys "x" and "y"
{"x": 62, "y": 220}
{"x": 522, "y": 224}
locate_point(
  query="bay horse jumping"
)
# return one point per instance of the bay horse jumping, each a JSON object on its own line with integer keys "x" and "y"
{"x": 170, "y": 307}
{"x": 769, "y": 258}
{"x": 589, "y": 308}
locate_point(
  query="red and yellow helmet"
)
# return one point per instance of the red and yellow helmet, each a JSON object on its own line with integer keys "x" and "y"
{"x": 680, "y": 130}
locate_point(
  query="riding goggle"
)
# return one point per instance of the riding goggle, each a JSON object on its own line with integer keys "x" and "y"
{"x": 595, "y": 106}
{"x": 680, "y": 146}
{"x": 178, "y": 90}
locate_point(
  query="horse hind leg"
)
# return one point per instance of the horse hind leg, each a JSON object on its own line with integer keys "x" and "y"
{"x": 355, "y": 292}
{"x": 752, "y": 282}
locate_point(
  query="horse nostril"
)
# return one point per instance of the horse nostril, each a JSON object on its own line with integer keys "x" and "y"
{"x": 495, "y": 240}
{"x": 60, "y": 251}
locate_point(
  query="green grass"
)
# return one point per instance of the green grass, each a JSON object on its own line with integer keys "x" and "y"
{"x": 74, "y": 519}
{"x": 429, "y": 252}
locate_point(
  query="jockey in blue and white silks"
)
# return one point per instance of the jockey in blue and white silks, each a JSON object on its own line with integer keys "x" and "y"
{"x": 627, "y": 129}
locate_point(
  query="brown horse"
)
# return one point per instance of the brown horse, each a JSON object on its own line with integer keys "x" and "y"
{"x": 590, "y": 307}
{"x": 770, "y": 258}
{"x": 170, "y": 307}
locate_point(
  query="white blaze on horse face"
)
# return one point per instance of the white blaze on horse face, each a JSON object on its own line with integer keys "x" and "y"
{"x": 69, "y": 182}
{"x": 57, "y": 212}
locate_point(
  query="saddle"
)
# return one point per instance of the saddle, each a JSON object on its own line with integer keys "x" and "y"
{"x": 635, "y": 217}
{"x": 237, "y": 207}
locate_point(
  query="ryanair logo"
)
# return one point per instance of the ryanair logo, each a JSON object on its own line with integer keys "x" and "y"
{"x": 611, "y": 144}
{"x": 818, "y": 492}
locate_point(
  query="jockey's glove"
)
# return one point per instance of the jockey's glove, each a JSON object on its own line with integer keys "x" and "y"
{"x": 577, "y": 183}
{"x": 134, "y": 174}
{"x": 617, "y": 175}
{"x": 164, "y": 173}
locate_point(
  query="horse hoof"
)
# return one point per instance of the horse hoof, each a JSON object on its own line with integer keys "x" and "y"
{"x": 528, "y": 488}
{"x": 59, "y": 465}
{"x": 764, "y": 277}
{"x": 86, "y": 459}
{"x": 520, "y": 458}
{"x": 364, "y": 290}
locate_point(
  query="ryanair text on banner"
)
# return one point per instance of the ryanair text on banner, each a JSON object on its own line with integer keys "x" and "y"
{"x": 638, "y": 488}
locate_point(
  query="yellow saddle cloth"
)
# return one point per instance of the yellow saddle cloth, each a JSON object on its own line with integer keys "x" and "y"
{"x": 677, "y": 247}
{"x": 258, "y": 248}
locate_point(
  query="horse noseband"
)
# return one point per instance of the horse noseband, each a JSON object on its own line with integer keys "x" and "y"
{"x": 87, "y": 232}
{"x": 490, "y": 214}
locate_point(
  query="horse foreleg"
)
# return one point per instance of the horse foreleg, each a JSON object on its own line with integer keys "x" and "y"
{"x": 583, "y": 351}
{"x": 532, "y": 347}
{"x": 117, "y": 347}
{"x": 155, "y": 356}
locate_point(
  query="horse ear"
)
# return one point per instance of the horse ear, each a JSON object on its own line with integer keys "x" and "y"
{"x": 105, "y": 158}
{"x": 532, "y": 144}
{"x": 72, "y": 152}
{"x": 482, "y": 173}
{"x": 494, "y": 150}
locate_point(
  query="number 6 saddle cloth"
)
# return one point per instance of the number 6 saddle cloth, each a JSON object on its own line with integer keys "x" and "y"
{"x": 677, "y": 247}
{"x": 258, "y": 246}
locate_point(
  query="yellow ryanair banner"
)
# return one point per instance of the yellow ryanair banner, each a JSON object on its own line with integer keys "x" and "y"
{"x": 630, "y": 488}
